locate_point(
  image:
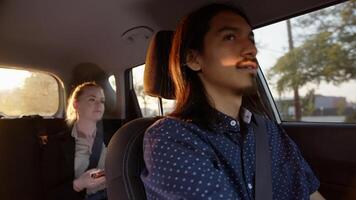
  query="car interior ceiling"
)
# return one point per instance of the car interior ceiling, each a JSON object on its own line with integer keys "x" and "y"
{"x": 114, "y": 35}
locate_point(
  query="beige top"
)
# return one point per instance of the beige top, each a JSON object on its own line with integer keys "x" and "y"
{"x": 81, "y": 158}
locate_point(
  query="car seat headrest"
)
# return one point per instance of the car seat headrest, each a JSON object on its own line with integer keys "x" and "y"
{"x": 157, "y": 80}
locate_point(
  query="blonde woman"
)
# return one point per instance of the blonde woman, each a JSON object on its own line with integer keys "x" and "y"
{"x": 73, "y": 160}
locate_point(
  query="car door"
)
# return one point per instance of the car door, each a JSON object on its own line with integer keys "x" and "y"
{"x": 304, "y": 63}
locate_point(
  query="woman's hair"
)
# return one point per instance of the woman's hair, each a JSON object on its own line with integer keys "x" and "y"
{"x": 71, "y": 113}
{"x": 192, "y": 100}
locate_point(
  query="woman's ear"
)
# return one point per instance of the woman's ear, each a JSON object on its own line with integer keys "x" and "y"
{"x": 193, "y": 61}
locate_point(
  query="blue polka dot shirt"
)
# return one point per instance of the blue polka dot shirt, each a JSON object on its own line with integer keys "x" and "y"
{"x": 184, "y": 161}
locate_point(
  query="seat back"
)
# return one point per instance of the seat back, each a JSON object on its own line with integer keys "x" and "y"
{"x": 124, "y": 159}
{"x": 20, "y": 149}
{"x": 22, "y": 142}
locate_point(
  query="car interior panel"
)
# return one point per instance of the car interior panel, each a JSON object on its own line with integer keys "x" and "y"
{"x": 106, "y": 41}
{"x": 328, "y": 148}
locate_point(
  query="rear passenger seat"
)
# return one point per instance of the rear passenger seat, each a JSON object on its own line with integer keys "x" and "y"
{"x": 20, "y": 151}
{"x": 20, "y": 156}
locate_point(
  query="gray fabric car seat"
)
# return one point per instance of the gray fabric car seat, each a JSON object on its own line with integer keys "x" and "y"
{"x": 124, "y": 160}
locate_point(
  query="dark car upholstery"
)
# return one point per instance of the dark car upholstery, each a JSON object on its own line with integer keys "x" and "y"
{"x": 22, "y": 141}
{"x": 20, "y": 150}
{"x": 124, "y": 161}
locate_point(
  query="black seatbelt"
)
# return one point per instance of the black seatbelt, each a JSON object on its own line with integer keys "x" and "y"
{"x": 263, "y": 176}
{"x": 96, "y": 149}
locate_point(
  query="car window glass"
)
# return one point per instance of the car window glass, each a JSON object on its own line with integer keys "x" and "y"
{"x": 112, "y": 82}
{"x": 311, "y": 68}
{"x": 149, "y": 105}
{"x": 25, "y": 92}
{"x": 168, "y": 105}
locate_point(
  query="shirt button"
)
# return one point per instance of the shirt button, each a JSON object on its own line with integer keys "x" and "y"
{"x": 233, "y": 123}
{"x": 249, "y": 186}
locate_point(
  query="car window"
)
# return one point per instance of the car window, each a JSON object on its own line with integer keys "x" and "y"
{"x": 149, "y": 105}
{"x": 168, "y": 105}
{"x": 112, "y": 82}
{"x": 24, "y": 92}
{"x": 309, "y": 63}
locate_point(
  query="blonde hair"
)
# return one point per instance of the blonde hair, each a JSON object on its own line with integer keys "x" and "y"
{"x": 71, "y": 113}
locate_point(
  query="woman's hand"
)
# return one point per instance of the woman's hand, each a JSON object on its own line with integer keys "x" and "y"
{"x": 85, "y": 181}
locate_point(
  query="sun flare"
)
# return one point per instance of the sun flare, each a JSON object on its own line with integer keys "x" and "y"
{"x": 12, "y": 78}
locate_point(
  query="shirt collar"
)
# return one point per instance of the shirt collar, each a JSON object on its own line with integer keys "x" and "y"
{"x": 74, "y": 132}
{"x": 226, "y": 122}
{"x": 245, "y": 115}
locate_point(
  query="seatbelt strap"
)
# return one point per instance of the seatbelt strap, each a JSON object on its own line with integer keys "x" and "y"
{"x": 263, "y": 176}
{"x": 96, "y": 149}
